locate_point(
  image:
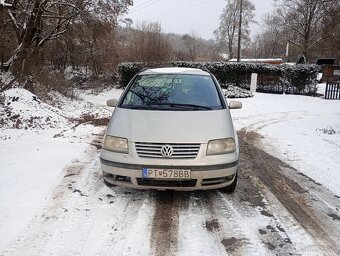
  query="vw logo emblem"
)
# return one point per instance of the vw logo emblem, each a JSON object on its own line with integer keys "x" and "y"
{"x": 167, "y": 151}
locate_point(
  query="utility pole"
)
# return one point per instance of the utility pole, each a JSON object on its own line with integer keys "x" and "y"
{"x": 239, "y": 33}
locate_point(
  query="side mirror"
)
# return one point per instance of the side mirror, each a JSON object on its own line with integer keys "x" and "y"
{"x": 233, "y": 104}
{"x": 112, "y": 103}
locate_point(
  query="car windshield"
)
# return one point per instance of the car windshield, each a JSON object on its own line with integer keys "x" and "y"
{"x": 172, "y": 92}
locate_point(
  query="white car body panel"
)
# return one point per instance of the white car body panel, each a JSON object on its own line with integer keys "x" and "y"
{"x": 171, "y": 126}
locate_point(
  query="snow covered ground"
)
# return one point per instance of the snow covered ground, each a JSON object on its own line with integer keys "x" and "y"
{"x": 37, "y": 142}
{"x": 53, "y": 201}
{"x": 303, "y": 131}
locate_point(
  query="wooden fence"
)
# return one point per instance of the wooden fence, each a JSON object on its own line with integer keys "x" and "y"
{"x": 332, "y": 91}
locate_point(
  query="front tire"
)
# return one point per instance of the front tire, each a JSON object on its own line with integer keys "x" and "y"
{"x": 108, "y": 184}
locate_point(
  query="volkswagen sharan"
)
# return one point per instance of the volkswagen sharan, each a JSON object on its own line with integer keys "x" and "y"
{"x": 171, "y": 130}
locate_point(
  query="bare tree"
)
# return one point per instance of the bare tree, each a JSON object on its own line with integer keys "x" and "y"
{"x": 36, "y": 22}
{"x": 302, "y": 22}
{"x": 148, "y": 44}
{"x": 227, "y": 32}
{"x": 331, "y": 34}
{"x": 268, "y": 43}
{"x": 191, "y": 46}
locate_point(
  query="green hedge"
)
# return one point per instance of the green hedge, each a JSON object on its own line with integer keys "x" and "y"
{"x": 126, "y": 71}
{"x": 301, "y": 78}
{"x": 295, "y": 79}
{"x": 233, "y": 73}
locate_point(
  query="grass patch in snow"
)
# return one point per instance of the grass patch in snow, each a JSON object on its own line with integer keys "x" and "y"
{"x": 329, "y": 130}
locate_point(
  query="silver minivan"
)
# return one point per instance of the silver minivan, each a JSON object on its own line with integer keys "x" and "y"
{"x": 171, "y": 129}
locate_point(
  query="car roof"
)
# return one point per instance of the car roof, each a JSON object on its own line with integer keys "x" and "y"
{"x": 175, "y": 70}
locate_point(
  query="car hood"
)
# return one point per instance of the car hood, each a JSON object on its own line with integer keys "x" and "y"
{"x": 170, "y": 126}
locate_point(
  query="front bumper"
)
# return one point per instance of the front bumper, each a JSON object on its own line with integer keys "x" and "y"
{"x": 202, "y": 177}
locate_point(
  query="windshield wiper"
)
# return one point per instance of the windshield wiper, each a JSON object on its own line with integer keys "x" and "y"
{"x": 179, "y": 105}
{"x": 135, "y": 107}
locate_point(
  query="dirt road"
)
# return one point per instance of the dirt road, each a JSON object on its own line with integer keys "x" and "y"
{"x": 276, "y": 210}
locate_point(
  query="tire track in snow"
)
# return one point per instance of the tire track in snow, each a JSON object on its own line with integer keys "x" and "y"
{"x": 197, "y": 226}
{"x": 164, "y": 232}
{"x": 103, "y": 221}
{"x": 213, "y": 225}
{"x": 257, "y": 126}
{"x": 258, "y": 224}
{"x": 39, "y": 232}
{"x": 129, "y": 225}
{"x": 290, "y": 194}
{"x": 236, "y": 235}
{"x": 73, "y": 229}
{"x": 252, "y": 203}
{"x": 230, "y": 236}
{"x": 84, "y": 217}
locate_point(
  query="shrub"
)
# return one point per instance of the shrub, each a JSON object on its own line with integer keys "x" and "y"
{"x": 300, "y": 79}
{"x": 271, "y": 78}
{"x": 236, "y": 92}
{"x": 126, "y": 71}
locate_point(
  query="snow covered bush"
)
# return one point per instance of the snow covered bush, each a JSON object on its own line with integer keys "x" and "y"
{"x": 127, "y": 70}
{"x": 236, "y": 92}
{"x": 298, "y": 79}
{"x": 226, "y": 73}
{"x": 233, "y": 73}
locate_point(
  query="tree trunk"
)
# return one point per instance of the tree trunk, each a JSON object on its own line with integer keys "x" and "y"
{"x": 239, "y": 33}
{"x": 17, "y": 60}
{"x": 305, "y": 46}
{"x": 230, "y": 48}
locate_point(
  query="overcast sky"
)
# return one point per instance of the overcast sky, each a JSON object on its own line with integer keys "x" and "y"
{"x": 185, "y": 16}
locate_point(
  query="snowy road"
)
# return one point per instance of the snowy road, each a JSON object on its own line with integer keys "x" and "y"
{"x": 275, "y": 211}
{"x": 283, "y": 204}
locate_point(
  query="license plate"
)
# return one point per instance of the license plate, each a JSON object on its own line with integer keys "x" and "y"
{"x": 171, "y": 174}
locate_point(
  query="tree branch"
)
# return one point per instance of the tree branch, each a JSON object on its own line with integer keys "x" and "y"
{"x": 55, "y": 33}
{"x": 15, "y": 24}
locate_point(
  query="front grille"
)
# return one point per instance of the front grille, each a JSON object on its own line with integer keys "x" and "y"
{"x": 153, "y": 150}
{"x": 166, "y": 183}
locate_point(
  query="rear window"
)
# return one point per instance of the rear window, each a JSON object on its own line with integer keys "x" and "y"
{"x": 172, "y": 92}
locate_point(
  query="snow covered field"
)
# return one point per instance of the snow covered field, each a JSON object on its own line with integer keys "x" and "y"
{"x": 53, "y": 201}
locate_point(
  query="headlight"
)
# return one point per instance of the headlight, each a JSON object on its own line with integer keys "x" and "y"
{"x": 221, "y": 146}
{"x": 116, "y": 144}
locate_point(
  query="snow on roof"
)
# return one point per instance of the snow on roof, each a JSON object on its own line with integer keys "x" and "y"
{"x": 175, "y": 70}
{"x": 258, "y": 60}
{"x": 224, "y": 56}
